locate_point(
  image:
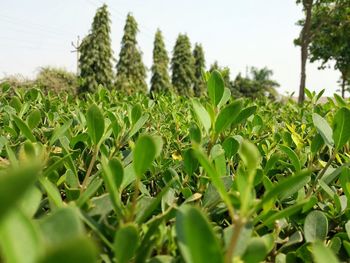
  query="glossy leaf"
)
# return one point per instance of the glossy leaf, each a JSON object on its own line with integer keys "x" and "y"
{"x": 202, "y": 115}
{"x": 216, "y": 87}
{"x": 125, "y": 243}
{"x": 315, "y": 226}
{"x": 341, "y": 127}
{"x": 95, "y": 124}
{"x": 323, "y": 128}
{"x": 195, "y": 233}
{"x": 227, "y": 115}
{"x": 25, "y": 130}
{"x": 146, "y": 150}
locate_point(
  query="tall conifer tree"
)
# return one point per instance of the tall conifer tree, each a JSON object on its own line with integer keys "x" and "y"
{"x": 160, "y": 81}
{"x": 96, "y": 55}
{"x": 199, "y": 66}
{"x": 131, "y": 72}
{"x": 182, "y": 65}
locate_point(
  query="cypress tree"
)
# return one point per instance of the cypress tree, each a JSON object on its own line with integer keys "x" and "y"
{"x": 96, "y": 55}
{"x": 182, "y": 65}
{"x": 199, "y": 66}
{"x": 160, "y": 81}
{"x": 131, "y": 72}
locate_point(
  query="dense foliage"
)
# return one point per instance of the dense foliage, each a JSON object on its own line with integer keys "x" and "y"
{"x": 131, "y": 72}
{"x": 95, "y": 61}
{"x": 117, "y": 178}
{"x": 331, "y": 39}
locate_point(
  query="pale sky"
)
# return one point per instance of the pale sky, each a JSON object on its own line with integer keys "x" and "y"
{"x": 236, "y": 33}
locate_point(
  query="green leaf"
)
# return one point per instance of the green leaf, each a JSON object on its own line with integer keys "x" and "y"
{"x": 52, "y": 192}
{"x": 195, "y": 133}
{"x": 258, "y": 248}
{"x": 340, "y": 101}
{"x": 347, "y": 228}
{"x": 91, "y": 189}
{"x": 16, "y": 104}
{"x": 112, "y": 173}
{"x": 231, "y": 147}
{"x": 194, "y": 233}
{"x": 345, "y": 181}
{"x": 13, "y": 186}
{"x": 244, "y": 114}
{"x": 95, "y": 124}
{"x": 292, "y": 156}
{"x": 145, "y": 212}
{"x": 34, "y": 119}
{"x": 315, "y": 226}
{"x": 77, "y": 250}
{"x": 250, "y": 155}
{"x": 323, "y": 128}
{"x": 225, "y": 97}
{"x": 138, "y": 125}
{"x": 316, "y": 143}
{"x": 341, "y": 127}
{"x": 286, "y": 187}
{"x": 227, "y": 115}
{"x": 323, "y": 254}
{"x": 30, "y": 202}
{"x": 19, "y": 238}
{"x": 22, "y": 126}
{"x": 60, "y": 226}
{"x": 136, "y": 113}
{"x": 146, "y": 150}
{"x": 202, "y": 115}
{"x": 190, "y": 162}
{"x": 59, "y": 131}
{"x": 216, "y": 87}
{"x": 285, "y": 213}
{"x": 213, "y": 174}
{"x": 117, "y": 171}
{"x": 125, "y": 243}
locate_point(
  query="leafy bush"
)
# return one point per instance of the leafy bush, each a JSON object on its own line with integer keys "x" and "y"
{"x": 56, "y": 80}
{"x": 128, "y": 179}
{"x": 48, "y": 79}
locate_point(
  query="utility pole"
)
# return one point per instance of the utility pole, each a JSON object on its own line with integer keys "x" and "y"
{"x": 76, "y": 50}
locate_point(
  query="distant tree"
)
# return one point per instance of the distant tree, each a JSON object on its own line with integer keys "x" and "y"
{"x": 182, "y": 66}
{"x": 199, "y": 66}
{"x": 246, "y": 87}
{"x": 160, "y": 80}
{"x": 258, "y": 84}
{"x": 96, "y": 54}
{"x": 262, "y": 79}
{"x": 304, "y": 41}
{"x": 331, "y": 38}
{"x": 131, "y": 72}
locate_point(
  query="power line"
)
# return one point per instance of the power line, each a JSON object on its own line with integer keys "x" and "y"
{"x": 21, "y": 21}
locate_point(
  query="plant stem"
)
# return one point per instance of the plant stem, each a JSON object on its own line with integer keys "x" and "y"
{"x": 320, "y": 175}
{"x": 134, "y": 199}
{"x": 238, "y": 225}
{"x": 88, "y": 173}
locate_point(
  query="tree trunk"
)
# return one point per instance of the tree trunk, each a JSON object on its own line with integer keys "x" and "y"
{"x": 343, "y": 84}
{"x": 305, "y": 41}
